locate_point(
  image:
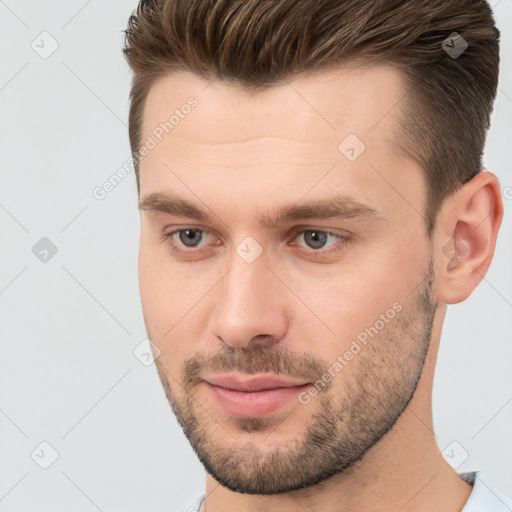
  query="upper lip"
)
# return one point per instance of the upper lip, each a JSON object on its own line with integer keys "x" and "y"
{"x": 253, "y": 382}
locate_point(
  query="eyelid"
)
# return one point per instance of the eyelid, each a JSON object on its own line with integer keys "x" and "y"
{"x": 333, "y": 232}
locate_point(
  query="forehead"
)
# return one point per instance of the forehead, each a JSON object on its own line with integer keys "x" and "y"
{"x": 322, "y": 106}
{"x": 328, "y": 132}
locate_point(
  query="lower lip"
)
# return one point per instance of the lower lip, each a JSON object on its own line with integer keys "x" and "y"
{"x": 254, "y": 404}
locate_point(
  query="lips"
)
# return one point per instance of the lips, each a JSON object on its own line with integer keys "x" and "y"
{"x": 253, "y": 383}
{"x": 253, "y": 396}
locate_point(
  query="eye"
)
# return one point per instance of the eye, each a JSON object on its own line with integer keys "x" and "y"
{"x": 316, "y": 239}
{"x": 187, "y": 238}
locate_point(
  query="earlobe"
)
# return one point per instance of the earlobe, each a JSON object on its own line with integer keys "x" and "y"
{"x": 467, "y": 237}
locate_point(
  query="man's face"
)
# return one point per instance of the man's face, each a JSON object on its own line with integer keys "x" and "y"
{"x": 338, "y": 308}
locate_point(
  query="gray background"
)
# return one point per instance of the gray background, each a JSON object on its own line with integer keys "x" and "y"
{"x": 68, "y": 375}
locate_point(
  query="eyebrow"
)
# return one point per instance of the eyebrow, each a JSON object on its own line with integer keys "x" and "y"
{"x": 340, "y": 206}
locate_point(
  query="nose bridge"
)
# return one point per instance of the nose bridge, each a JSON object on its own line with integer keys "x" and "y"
{"x": 243, "y": 282}
{"x": 247, "y": 299}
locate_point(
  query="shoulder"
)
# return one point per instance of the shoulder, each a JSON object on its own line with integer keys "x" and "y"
{"x": 194, "y": 504}
{"x": 485, "y": 496}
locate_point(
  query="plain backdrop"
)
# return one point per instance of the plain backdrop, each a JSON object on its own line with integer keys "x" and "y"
{"x": 70, "y": 308}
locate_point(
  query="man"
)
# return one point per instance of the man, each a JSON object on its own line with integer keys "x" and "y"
{"x": 312, "y": 197}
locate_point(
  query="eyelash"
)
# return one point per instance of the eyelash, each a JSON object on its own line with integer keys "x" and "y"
{"x": 322, "y": 252}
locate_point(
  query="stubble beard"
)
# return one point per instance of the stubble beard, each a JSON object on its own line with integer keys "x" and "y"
{"x": 341, "y": 429}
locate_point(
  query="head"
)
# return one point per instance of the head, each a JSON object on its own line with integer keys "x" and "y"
{"x": 302, "y": 168}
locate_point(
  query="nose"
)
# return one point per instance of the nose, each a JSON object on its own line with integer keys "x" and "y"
{"x": 250, "y": 305}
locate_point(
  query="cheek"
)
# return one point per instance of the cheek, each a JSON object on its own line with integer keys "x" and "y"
{"x": 354, "y": 303}
{"x": 173, "y": 305}
{"x": 152, "y": 284}
{"x": 162, "y": 304}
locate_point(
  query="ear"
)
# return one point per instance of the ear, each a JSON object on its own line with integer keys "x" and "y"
{"x": 466, "y": 236}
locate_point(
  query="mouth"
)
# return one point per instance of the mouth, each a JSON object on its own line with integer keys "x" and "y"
{"x": 253, "y": 396}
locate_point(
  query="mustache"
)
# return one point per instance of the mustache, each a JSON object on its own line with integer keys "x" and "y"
{"x": 258, "y": 359}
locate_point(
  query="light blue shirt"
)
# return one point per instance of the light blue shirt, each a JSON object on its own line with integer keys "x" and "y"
{"x": 483, "y": 498}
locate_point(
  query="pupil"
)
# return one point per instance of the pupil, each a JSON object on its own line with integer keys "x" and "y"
{"x": 189, "y": 238}
{"x": 319, "y": 239}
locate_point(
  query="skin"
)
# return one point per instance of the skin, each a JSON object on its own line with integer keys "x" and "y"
{"x": 241, "y": 156}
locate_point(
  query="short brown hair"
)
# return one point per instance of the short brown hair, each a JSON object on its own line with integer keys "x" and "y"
{"x": 255, "y": 44}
